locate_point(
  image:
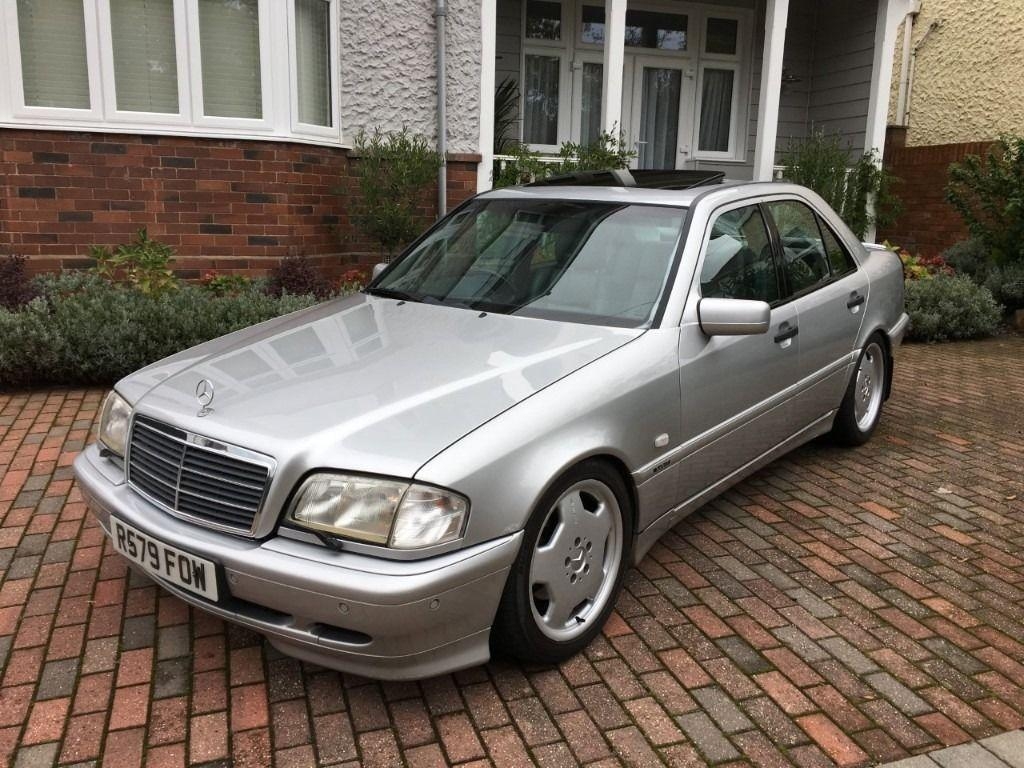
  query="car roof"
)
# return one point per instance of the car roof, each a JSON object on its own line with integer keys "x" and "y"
{"x": 683, "y": 198}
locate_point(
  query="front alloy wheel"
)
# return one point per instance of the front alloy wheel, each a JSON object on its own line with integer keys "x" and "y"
{"x": 563, "y": 584}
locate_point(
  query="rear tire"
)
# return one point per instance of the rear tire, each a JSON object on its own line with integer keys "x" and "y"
{"x": 563, "y": 584}
{"x": 861, "y": 409}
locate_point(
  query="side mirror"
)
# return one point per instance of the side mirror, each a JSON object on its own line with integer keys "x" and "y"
{"x": 733, "y": 317}
{"x": 377, "y": 269}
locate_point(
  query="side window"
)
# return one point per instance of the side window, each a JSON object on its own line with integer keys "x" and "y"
{"x": 805, "y": 261}
{"x": 838, "y": 257}
{"x": 738, "y": 262}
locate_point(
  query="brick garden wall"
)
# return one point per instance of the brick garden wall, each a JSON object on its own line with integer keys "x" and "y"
{"x": 228, "y": 205}
{"x": 928, "y": 224}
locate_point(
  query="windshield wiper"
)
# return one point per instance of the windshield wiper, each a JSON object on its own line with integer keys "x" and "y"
{"x": 391, "y": 293}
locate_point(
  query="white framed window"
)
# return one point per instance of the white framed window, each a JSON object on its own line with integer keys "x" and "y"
{"x": 721, "y": 114}
{"x": 238, "y": 68}
{"x": 546, "y": 82}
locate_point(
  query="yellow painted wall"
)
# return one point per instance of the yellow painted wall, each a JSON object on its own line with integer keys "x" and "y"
{"x": 969, "y": 77}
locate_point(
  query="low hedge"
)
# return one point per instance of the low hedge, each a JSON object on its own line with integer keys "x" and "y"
{"x": 945, "y": 307}
{"x": 81, "y": 329}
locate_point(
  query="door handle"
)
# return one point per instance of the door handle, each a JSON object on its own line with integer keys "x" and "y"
{"x": 787, "y": 334}
{"x": 856, "y": 299}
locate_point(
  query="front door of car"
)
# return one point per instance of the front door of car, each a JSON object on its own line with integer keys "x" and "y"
{"x": 734, "y": 388}
{"x": 830, "y": 294}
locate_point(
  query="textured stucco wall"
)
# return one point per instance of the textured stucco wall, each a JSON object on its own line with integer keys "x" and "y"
{"x": 388, "y": 67}
{"x": 969, "y": 80}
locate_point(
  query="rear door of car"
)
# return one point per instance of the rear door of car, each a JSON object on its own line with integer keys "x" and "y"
{"x": 734, "y": 387}
{"x": 829, "y": 292}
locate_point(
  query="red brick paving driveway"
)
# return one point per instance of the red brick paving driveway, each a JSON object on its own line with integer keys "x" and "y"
{"x": 840, "y": 606}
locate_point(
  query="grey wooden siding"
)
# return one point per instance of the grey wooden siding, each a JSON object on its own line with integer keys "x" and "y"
{"x": 841, "y": 86}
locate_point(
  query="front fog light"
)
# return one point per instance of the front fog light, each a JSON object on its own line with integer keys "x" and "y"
{"x": 114, "y": 420}
{"x": 427, "y": 517}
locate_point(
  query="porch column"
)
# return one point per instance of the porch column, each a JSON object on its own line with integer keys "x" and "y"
{"x": 614, "y": 59}
{"x": 488, "y": 53}
{"x": 890, "y": 15}
{"x": 776, "y": 15}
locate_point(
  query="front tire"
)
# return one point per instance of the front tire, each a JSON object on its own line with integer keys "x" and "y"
{"x": 861, "y": 409}
{"x": 564, "y": 582}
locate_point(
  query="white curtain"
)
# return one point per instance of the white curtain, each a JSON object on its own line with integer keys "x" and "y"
{"x": 716, "y": 110}
{"x": 540, "y": 121}
{"x": 313, "y": 60}
{"x": 229, "y": 41}
{"x": 145, "y": 64}
{"x": 54, "y": 69}
{"x": 590, "y": 125}
{"x": 659, "y": 118}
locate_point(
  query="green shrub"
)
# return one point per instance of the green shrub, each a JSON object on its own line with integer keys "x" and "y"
{"x": 822, "y": 163}
{"x": 144, "y": 264}
{"x": 393, "y": 171}
{"x": 969, "y": 257}
{"x": 988, "y": 192}
{"x": 950, "y": 307}
{"x": 85, "y": 330}
{"x": 606, "y": 152}
{"x": 1006, "y": 282}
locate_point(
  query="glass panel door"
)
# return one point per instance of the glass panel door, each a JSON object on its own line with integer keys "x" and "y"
{"x": 659, "y": 117}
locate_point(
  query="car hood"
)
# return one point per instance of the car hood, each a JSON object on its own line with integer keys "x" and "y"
{"x": 365, "y": 383}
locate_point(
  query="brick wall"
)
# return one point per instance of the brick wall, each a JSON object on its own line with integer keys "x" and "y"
{"x": 928, "y": 224}
{"x": 233, "y": 206}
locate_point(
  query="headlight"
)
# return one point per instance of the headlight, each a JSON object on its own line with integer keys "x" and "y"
{"x": 400, "y": 515}
{"x": 114, "y": 423}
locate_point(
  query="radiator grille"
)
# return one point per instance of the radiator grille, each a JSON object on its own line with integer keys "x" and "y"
{"x": 210, "y": 486}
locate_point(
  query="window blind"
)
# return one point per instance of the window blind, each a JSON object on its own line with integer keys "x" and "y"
{"x": 54, "y": 68}
{"x": 145, "y": 64}
{"x": 229, "y": 42}
{"x": 313, "y": 61}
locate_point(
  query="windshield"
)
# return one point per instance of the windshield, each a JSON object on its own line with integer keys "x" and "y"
{"x": 598, "y": 263}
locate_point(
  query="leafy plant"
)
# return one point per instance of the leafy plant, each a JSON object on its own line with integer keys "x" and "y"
{"x": 506, "y": 115}
{"x": 950, "y": 307}
{"x": 393, "y": 170}
{"x": 969, "y": 257}
{"x": 918, "y": 267}
{"x": 606, "y": 152}
{"x": 15, "y": 285}
{"x": 988, "y": 192}
{"x": 225, "y": 285}
{"x": 1006, "y": 281}
{"x": 822, "y": 163}
{"x": 295, "y": 275}
{"x": 144, "y": 264}
{"x": 83, "y": 329}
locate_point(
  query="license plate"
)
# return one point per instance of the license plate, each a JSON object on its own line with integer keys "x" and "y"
{"x": 182, "y": 569}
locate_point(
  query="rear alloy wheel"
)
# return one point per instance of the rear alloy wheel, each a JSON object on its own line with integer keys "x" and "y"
{"x": 563, "y": 584}
{"x": 862, "y": 406}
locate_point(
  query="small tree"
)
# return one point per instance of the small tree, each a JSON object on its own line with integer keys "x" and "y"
{"x": 822, "y": 163}
{"x": 988, "y": 192}
{"x": 393, "y": 170}
{"x": 606, "y": 152}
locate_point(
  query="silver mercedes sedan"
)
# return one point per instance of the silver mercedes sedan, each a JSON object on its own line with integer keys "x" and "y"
{"x": 469, "y": 454}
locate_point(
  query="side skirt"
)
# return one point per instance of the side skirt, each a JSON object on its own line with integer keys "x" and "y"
{"x": 646, "y": 538}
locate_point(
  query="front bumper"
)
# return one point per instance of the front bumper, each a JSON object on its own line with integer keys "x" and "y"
{"x": 371, "y": 616}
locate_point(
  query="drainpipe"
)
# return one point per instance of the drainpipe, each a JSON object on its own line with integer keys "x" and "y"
{"x": 440, "y": 18}
{"x": 913, "y": 69}
{"x": 908, "y": 47}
